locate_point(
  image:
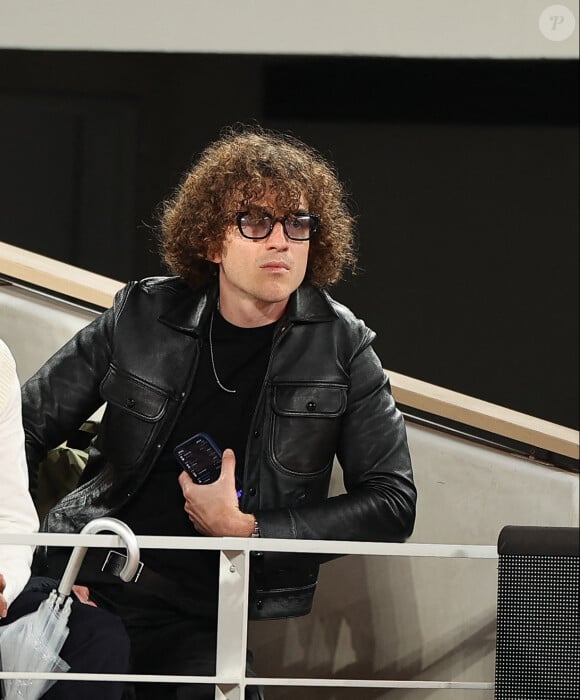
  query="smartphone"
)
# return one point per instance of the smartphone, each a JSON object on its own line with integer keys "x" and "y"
{"x": 200, "y": 457}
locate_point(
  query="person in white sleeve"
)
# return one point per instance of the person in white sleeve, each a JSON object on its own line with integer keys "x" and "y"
{"x": 97, "y": 642}
{"x": 17, "y": 512}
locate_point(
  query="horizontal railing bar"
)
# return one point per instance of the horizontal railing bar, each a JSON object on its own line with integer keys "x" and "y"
{"x": 57, "y": 276}
{"x": 350, "y": 683}
{"x": 71, "y": 302}
{"x": 226, "y": 680}
{"x": 249, "y": 544}
{"x": 483, "y": 415}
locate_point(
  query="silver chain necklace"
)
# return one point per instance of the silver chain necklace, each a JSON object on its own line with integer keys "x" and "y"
{"x": 221, "y": 386}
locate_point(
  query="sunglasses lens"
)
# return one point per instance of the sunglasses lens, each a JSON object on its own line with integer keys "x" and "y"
{"x": 255, "y": 226}
{"x": 298, "y": 227}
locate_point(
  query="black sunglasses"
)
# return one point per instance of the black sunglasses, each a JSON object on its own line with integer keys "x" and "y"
{"x": 297, "y": 227}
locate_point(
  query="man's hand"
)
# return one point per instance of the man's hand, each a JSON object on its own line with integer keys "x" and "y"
{"x": 3, "y": 601}
{"x": 213, "y": 508}
{"x": 83, "y": 594}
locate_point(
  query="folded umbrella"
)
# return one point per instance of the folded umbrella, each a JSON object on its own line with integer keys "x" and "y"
{"x": 33, "y": 642}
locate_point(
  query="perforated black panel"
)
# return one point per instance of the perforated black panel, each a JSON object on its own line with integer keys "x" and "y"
{"x": 537, "y": 655}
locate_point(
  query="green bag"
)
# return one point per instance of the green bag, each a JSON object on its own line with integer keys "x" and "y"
{"x": 59, "y": 473}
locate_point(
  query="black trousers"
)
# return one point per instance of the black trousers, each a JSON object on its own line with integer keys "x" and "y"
{"x": 118, "y": 638}
{"x": 178, "y": 647}
{"x": 97, "y": 643}
{"x": 168, "y": 639}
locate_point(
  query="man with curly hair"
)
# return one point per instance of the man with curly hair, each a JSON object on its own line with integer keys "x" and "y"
{"x": 243, "y": 344}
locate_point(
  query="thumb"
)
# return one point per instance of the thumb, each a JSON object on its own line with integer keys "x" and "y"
{"x": 2, "y": 583}
{"x": 228, "y": 471}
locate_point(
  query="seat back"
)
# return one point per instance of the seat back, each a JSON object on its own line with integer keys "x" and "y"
{"x": 537, "y": 615}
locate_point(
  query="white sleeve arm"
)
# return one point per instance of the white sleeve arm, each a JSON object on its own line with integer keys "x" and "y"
{"x": 17, "y": 512}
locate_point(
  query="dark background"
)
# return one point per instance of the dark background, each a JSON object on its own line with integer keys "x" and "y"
{"x": 463, "y": 176}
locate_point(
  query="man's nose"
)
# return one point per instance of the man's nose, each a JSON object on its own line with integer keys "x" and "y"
{"x": 277, "y": 239}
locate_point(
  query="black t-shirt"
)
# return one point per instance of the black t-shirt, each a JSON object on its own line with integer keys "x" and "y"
{"x": 241, "y": 358}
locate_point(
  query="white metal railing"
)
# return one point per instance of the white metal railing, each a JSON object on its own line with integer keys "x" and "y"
{"x": 230, "y": 678}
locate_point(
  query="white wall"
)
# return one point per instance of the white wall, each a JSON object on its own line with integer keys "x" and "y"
{"x": 34, "y": 326}
{"x": 446, "y": 28}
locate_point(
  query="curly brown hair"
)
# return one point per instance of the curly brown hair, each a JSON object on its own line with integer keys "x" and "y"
{"x": 236, "y": 171}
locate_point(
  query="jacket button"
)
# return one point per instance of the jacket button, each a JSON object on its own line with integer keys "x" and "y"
{"x": 259, "y": 604}
{"x": 256, "y": 433}
{"x": 311, "y": 405}
{"x": 130, "y": 403}
{"x": 252, "y": 492}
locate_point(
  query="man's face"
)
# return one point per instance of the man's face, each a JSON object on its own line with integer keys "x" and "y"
{"x": 264, "y": 272}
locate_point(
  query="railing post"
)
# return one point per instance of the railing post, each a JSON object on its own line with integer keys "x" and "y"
{"x": 232, "y": 627}
{"x": 228, "y": 691}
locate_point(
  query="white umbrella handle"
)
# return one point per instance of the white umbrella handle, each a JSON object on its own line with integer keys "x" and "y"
{"x": 76, "y": 558}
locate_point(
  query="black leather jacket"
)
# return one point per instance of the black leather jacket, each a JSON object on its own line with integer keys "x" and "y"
{"x": 324, "y": 394}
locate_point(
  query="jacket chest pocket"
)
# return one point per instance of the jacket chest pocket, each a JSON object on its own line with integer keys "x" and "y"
{"x": 135, "y": 409}
{"x": 306, "y": 425}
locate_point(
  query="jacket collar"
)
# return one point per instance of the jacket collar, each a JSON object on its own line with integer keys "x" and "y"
{"x": 192, "y": 309}
{"x": 310, "y": 304}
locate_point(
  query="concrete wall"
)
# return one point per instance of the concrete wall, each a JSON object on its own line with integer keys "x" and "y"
{"x": 423, "y": 618}
{"x": 34, "y": 326}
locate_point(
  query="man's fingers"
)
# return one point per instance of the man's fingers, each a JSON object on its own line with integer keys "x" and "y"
{"x": 83, "y": 594}
{"x": 2, "y": 583}
{"x": 184, "y": 480}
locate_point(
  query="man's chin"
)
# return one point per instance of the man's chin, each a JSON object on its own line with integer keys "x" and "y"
{"x": 277, "y": 293}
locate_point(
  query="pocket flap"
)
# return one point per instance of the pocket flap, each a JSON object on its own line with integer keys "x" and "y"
{"x": 134, "y": 395}
{"x": 314, "y": 400}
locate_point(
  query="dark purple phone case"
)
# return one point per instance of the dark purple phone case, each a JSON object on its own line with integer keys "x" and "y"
{"x": 200, "y": 457}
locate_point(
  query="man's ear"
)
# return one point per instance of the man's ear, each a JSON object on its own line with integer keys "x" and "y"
{"x": 218, "y": 256}
{"x": 214, "y": 257}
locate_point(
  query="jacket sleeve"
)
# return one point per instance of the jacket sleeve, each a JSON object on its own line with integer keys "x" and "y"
{"x": 65, "y": 390}
{"x": 372, "y": 450}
